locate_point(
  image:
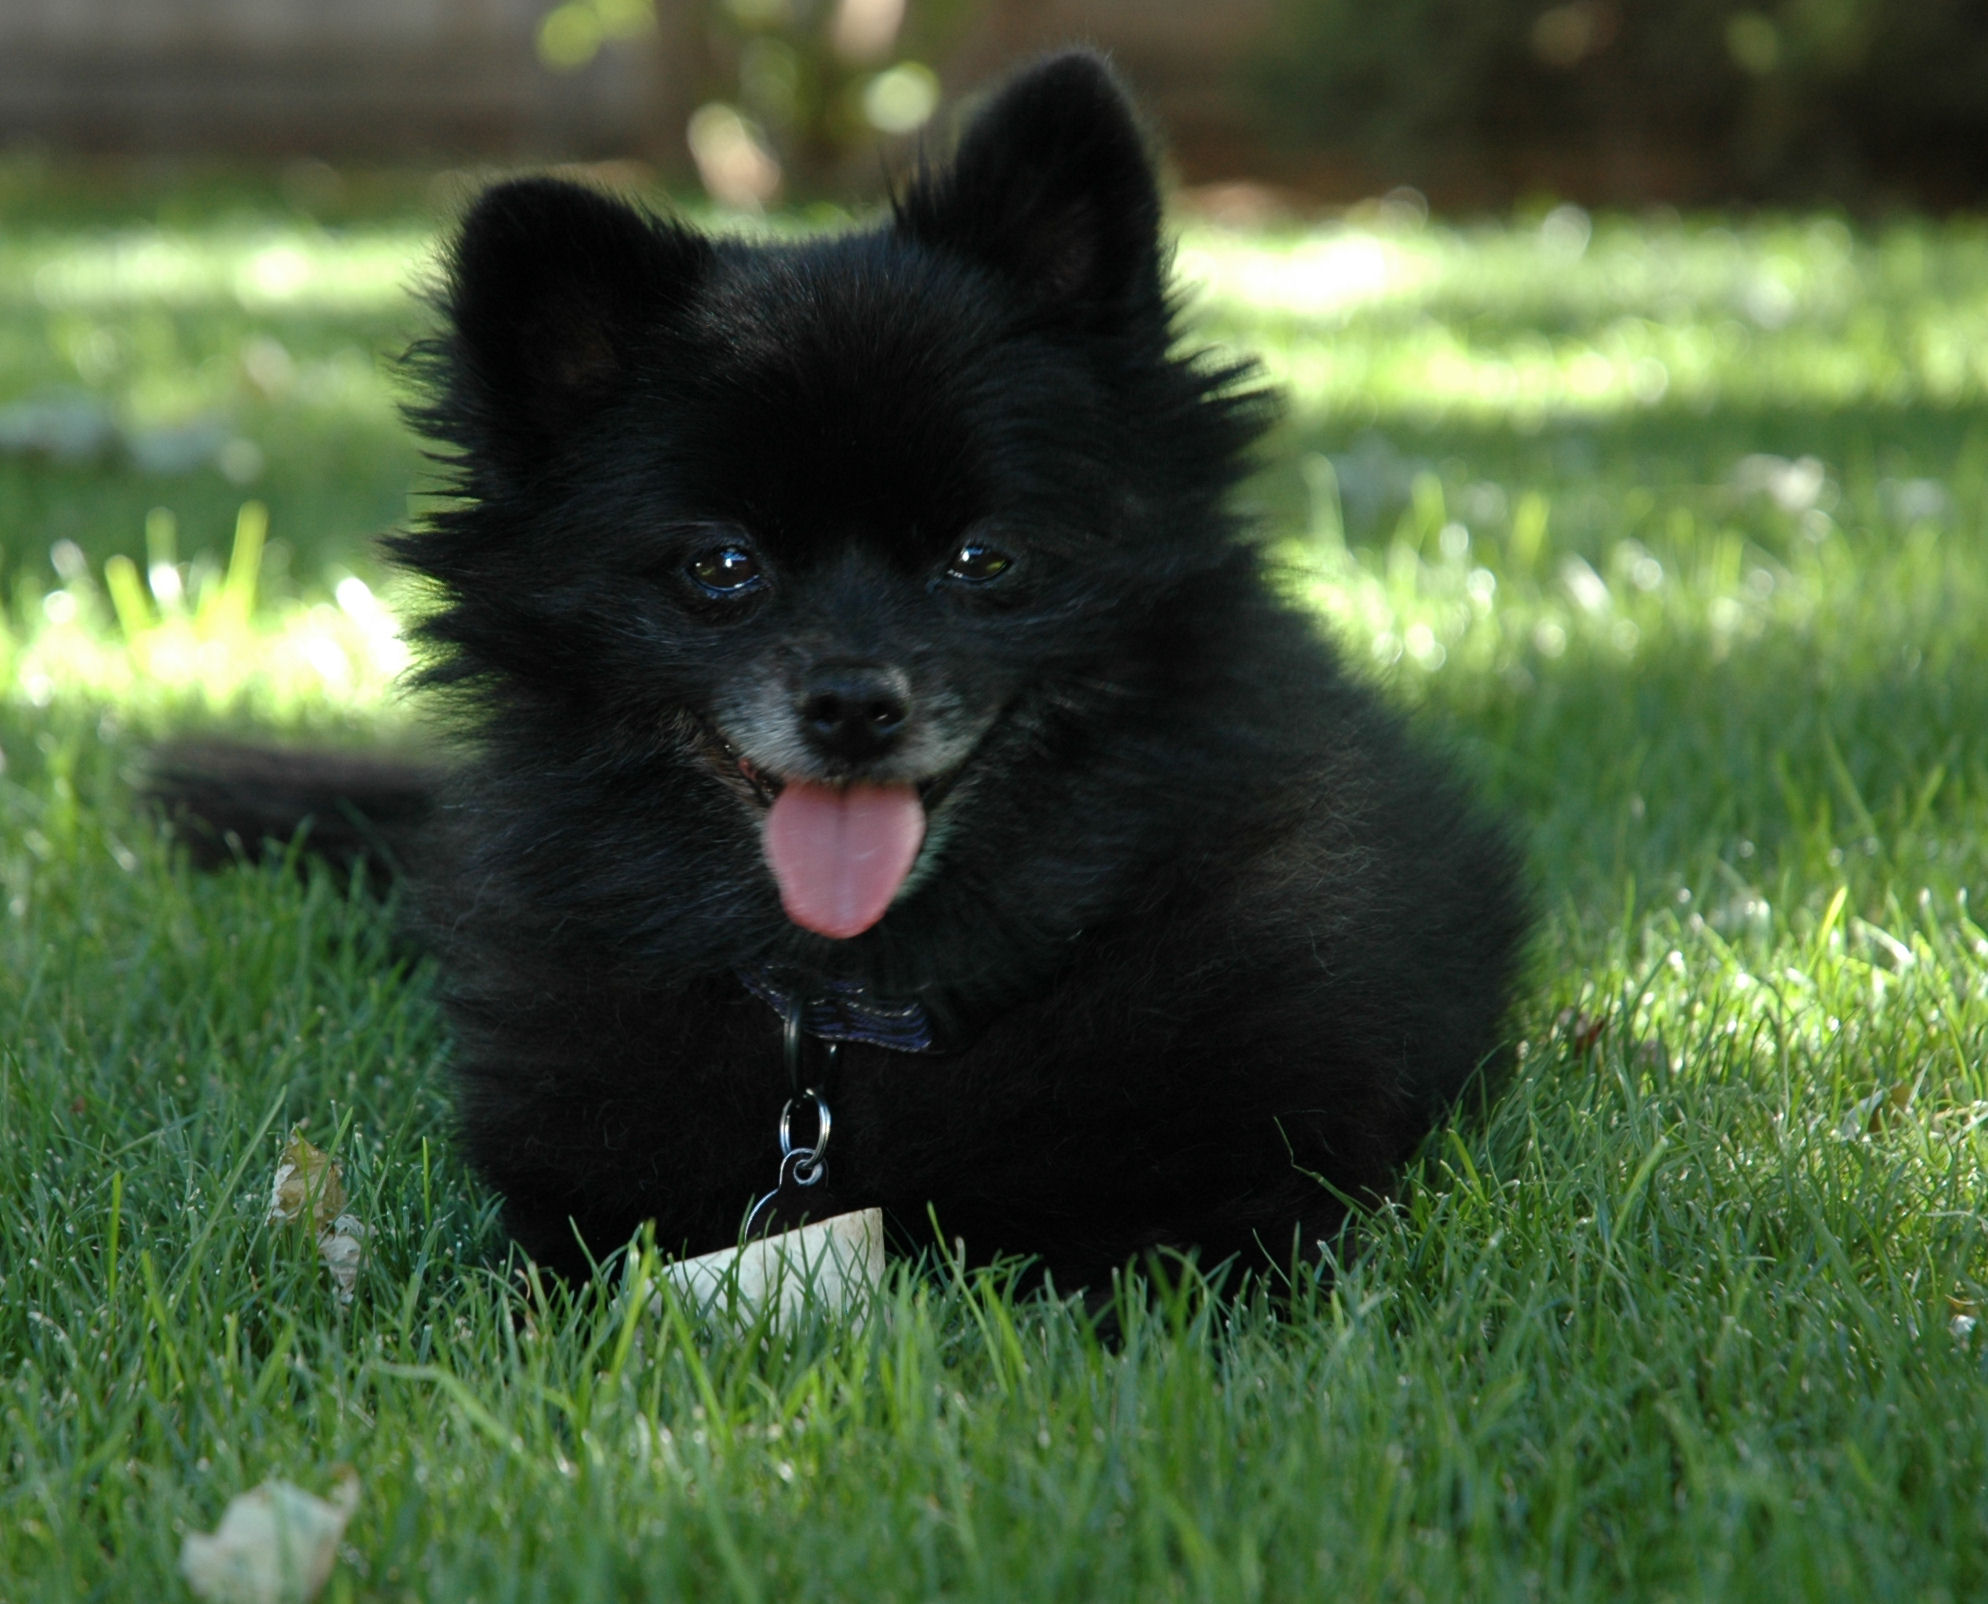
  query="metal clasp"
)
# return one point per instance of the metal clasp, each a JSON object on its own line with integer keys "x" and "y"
{"x": 811, "y": 1161}
{"x": 805, "y": 1165}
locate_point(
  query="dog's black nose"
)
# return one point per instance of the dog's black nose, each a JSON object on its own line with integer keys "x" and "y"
{"x": 854, "y": 711}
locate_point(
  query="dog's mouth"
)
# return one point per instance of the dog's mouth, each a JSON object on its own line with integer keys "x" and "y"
{"x": 763, "y": 787}
{"x": 839, "y": 851}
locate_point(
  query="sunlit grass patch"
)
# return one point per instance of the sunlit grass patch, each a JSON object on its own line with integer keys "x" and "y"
{"x": 1581, "y": 318}
{"x": 190, "y": 362}
{"x": 1677, "y": 530}
{"x": 190, "y": 640}
{"x": 255, "y": 267}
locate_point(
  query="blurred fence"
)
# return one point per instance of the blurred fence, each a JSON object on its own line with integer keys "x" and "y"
{"x": 412, "y": 79}
{"x": 1475, "y": 101}
{"x": 340, "y": 78}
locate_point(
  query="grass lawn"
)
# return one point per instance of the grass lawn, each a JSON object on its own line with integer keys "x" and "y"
{"x": 1678, "y": 530}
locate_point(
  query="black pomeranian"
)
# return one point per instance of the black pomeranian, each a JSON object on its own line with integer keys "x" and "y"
{"x": 882, "y": 727}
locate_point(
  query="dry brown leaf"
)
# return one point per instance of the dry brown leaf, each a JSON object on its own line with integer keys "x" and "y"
{"x": 309, "y": 1186}
{"x": 309, "y": 1181}
{"x": 1582, "y": 1031}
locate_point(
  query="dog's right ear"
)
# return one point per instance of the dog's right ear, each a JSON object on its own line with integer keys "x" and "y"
{"x": 552, "y": 292}
{"x": 1053, "y": 189}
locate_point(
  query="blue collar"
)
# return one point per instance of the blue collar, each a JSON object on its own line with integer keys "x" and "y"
{"x": 843, "y": 1010}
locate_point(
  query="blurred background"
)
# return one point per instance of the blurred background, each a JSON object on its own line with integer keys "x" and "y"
{"x": 1475, "y": 102}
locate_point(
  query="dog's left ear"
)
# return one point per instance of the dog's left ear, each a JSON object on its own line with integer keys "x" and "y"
{"x": 552, "y": 290}
{"x": 1052, "y": 188}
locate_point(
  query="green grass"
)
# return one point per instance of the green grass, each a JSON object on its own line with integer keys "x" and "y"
{"x": 1688, "y": 1314}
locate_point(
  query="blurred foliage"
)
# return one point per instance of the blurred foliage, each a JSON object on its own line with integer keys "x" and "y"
{"x": 1803, "y": 97}
{"x": 793, "y": 91}
{"x": 572, "y": 34}
{"x": 819, "y": 80}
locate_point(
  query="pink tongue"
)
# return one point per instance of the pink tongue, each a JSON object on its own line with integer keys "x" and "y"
{"x": 841, "y": 852}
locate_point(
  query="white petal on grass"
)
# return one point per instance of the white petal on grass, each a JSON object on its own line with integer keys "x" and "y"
{"x": 276, "y": 1544}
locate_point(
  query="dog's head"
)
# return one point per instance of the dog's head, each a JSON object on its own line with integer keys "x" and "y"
{"x": 839, "y": 527}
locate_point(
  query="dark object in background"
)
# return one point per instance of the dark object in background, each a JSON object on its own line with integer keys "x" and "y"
{"x": 857, "y": 625}
{"x": 1631, "y": 101}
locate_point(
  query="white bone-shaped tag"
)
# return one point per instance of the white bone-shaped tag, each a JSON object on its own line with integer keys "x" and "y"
{"x": 829, "y": 1265}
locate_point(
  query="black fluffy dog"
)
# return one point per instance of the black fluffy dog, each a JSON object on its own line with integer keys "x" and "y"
{"x": 855, "y": 635}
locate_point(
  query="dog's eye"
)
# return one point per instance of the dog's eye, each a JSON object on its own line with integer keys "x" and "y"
{"x": 727, "y": 570}
{"x": 976, "y": 562}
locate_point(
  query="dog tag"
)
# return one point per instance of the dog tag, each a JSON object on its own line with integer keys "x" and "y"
{"x": 829, "y": 1265}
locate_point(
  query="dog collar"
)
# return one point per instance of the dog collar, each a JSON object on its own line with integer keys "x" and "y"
{"x": 832, "y": 1012}
{"x": 842, "y": 1010}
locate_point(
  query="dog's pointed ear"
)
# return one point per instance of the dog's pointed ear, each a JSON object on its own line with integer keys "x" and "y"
{"x": 552, "y": 292}
{"x": 1052, "y": 187}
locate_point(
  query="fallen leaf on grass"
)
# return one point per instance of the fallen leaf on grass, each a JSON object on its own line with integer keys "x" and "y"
{"x": 1872, "y": 1115}
{"x": 343, "y": 1249}
{"x": 309, "y": 1186}
{"x": 1581, "y": 1031}
{"x": 276, "y": 1544}
{"x": 309, "y": 1181}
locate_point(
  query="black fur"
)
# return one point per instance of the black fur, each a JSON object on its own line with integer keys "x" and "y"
{"x": 1206, "y": 941}
{"x": 362, "y": 809}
